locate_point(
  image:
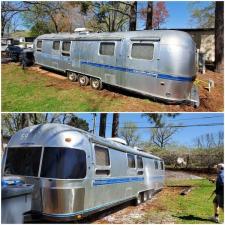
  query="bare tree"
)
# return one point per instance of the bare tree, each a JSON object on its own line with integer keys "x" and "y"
{"x": 8, "y": 11}
{"x": 129, "y": 133}
{"x": 210, "y": 140}
{"x": 162, "y": 136}
{"x": 12, "y": 122}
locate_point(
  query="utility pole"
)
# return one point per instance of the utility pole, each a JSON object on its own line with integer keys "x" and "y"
{"x": 94, "y": 122}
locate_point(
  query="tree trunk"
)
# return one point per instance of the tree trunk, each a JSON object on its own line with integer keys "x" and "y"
{"x": 115, "y": 125}
{"x": 149, "y": 20}
{"x": 133, "y": 16}
{"x": 219, "y": 37}
{"x": 102, "y": 128}
{"x": 25, "y": 120}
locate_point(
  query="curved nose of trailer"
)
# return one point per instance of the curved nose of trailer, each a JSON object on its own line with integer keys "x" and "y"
{"x": 178, "y": 60}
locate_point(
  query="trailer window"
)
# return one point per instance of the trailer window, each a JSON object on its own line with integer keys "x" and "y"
{"x": 56, "y": 45}
{"x": 63, "y": 163}
{"x": 39, "y": 46}
{"x": 107, "y": 48}
{"x": 161, "y": 163}
{"x": 66, "y": 48}
{"x": 156, "y": 165}
{"x": 139, "y": 162}
{"x": 101, "y": 156}
{"x": 23, "y": 161}
{"x": 142, "y": 51}
{"x": 131, "y": 161}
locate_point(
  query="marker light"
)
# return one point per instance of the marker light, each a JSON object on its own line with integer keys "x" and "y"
{"x": 68, "y": 139}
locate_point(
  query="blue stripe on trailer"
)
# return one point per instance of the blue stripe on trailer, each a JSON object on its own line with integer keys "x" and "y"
{"x": 117, "y": 180}
{"x": 140, "y": 72}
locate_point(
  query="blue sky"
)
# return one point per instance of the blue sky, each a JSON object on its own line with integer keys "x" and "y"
{"x": 184, "y": 136}
{"x": 179, "y": 15}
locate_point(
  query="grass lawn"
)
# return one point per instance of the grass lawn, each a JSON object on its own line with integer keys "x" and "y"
{"x": 195, "y": 207}
{"x": 31, "y": 91}
{"x": 42, "y": 91}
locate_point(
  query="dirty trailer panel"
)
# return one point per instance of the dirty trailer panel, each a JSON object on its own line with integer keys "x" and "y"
{"x": 160, "y": 64}
{"x": 76, "y": 173}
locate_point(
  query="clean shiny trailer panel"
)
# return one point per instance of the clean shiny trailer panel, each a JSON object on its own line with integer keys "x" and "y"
{"x": 76, "y": 173}
{"x": 160, "y": 64}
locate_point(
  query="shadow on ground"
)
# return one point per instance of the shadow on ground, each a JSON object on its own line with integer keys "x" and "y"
{"x": 192, "y": 217}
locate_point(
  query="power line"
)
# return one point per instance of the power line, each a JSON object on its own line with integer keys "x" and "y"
{"x": 178, "y": 126}
{"x": 174, "y": 120}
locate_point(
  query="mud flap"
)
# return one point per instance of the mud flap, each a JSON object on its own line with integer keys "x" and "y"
{"x": 193, "y": 98}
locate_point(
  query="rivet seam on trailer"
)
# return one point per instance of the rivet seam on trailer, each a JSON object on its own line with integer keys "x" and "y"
{"x": 152, "y": 74}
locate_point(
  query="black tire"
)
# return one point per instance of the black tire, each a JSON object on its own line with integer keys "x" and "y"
{"x": 83, "y": 80}
{"x": 96, "y": 83}
{"x": 71, "y": 76}
{"x": 138, "y": 200}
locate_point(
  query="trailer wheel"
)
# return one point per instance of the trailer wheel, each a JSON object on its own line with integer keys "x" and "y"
{"x": 138, "y": 200}
{"x": 83, "y": 80}
{"x": 72, "y": 76}
{"x": 96, "y": 84}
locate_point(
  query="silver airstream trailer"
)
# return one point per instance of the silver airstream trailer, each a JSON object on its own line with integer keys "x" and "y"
{"x": 76, "y": 173}
{"x": 156, "y": 63}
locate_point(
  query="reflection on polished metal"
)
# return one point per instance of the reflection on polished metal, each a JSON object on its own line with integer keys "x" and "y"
{"x": 109, "y": 174}
{"x": 159, "y": 64}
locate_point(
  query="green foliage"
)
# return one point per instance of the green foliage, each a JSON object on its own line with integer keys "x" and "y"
{"x": 78, "y": 123}
{"x": 158, "y": 119}
{"x": 41, "y": 27}
{"x": 107, "y": 16}
{"x": 204, "y": 16}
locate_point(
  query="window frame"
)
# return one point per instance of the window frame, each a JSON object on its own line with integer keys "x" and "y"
{"x": 66, "y": 53}
{"x": 156, "y": 163}
{"x": 53, "y": 45}
{"x": 142, "y": 42}
{"x": 19, "y": 146}
{"x": 134, "y": 156}
{"x": 161, "y": 165}
{"x": 39, "y": 49}
{"x": 105, "y": 169}
{"x": 99, "y": 48}
{"x": 140, "y": 168}
{"x": 52, "y": 178}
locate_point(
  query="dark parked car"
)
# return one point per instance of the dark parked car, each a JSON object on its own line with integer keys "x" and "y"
{"x": 13, "y": 52}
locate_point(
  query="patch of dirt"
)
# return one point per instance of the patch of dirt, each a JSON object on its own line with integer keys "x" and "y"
{"x": 128, "y": 214}
{"x": 209, "y": 101}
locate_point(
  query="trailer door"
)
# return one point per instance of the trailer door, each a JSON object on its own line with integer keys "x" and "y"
{"x": 55, "y": 54}
{"x": 66, "y": 61}
{"x": 142, "y": 64}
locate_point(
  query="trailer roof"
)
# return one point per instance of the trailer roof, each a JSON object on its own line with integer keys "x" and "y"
{"x": 162, "y": 35}
{"x": 51, "y": 129}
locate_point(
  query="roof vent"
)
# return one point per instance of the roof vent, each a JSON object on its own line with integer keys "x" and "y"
{"x": 138, "y": 149}
{"x": 82, "y": 30}
{"x": 118, "y": 140}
